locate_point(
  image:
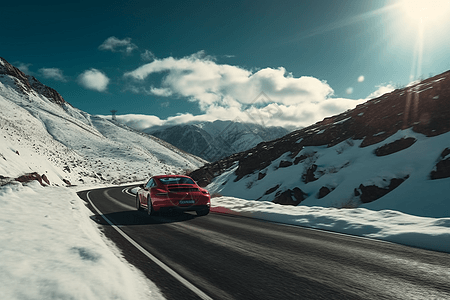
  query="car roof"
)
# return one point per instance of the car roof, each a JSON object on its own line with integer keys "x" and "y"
{"x": 170, "y": 176}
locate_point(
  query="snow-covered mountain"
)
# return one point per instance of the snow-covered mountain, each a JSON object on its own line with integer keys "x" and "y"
{"x": 43, "y": 134}
{"x": 218, "y": 139}
{"x": 392, "y": 152}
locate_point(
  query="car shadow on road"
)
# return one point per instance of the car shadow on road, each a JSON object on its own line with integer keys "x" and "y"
{"x": 130, "y": 218}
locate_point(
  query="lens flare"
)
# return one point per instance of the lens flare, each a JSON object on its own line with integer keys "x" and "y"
{"x": 426, "y": 10}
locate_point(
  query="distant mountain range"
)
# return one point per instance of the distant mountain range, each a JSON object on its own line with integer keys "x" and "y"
{"x": 218, "y": 139}
{"x": 391, "y": 152}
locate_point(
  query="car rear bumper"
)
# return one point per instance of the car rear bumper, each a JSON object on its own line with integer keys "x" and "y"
{"x": 168, "y": 209}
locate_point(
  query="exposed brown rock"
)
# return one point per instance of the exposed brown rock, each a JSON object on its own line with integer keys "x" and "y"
{"x": 261, "y": 175}
{"x": 5, "y": 180}
{"x": 271, "y": 190}
{"x": 45, "y": 179}
{"x": 442, "y": 169}
{"x": 67, "y": 182}
{"x": 445, "y": 152}
{"x": 372, "y": 192}
{"x": 285, "y": 164}
{"x": 290, "y": 197}
{"x": 30, "y": 177}
{"x": 395, "y": 146}
{"x": 205, "y": 174}
{"x": 299, "y": 159}
{"x": 323, "y": 192}
{"x": 309, "y": 175}
{"x": 298, "y": 194}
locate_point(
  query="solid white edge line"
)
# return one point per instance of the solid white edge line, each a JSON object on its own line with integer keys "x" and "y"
{"x": 166, "y": 268}
{"x": 125, "y": 191}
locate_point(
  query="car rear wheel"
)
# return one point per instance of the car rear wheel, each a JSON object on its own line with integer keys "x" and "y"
{"x": 150, "y": 207}
{"x": 138, "y": 203}
{"x": 202, "y": 212}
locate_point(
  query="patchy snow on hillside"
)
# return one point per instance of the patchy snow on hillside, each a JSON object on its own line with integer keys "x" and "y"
{"x": 344, "y": 167}
{"x": 51, "y": 249}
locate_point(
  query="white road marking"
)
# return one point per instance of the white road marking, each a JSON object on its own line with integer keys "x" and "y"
{"x": 166, "y": 268}
{"x": 125, "y": 191}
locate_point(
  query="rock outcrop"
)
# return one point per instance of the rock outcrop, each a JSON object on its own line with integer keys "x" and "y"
{"x": 395, "y": 146}
{"x": 30, "y": 177}
{"x": 29, "y": 84}
{"x": 290, "y": 197}
{"x": 371, "y": 193}
{"x": 442, "y": 169}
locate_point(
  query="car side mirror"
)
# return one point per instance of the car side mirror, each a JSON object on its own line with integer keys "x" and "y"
{"x": 141, "y": 186}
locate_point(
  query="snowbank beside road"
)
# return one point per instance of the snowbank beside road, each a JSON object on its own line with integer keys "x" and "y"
{"x": 51, "y": 249}
{"x": 387, "y": 225}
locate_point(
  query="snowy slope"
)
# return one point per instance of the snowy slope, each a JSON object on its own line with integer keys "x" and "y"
{"x": 50, "y": 249}
{"x": 63, "y": 142}
{"x": 344, "y": 167}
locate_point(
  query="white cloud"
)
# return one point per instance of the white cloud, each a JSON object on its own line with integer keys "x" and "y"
{"x": 207, "y": 82}
{"x": 382, "y": 89}
{"x": 225, "y": 92}
{"x": 139, "y": 122}
{"x": 361, "y": 78}
{"x": 93, "y": 79}
{"x": 292, "y": 116}
{"x": 160, "y": 92}
{"x": 52, "y": 73}
{"x": 147, "y": 55}
{"x": 349, "y": 91}
{"x": 115, "y": 45}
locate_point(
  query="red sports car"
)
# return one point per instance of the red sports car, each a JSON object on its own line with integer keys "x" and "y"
{"x": 167, "y": 193}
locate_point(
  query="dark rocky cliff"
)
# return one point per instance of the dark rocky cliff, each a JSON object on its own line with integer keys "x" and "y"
{"x": 29, "y": 84}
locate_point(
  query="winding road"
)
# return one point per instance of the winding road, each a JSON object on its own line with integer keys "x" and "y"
{"x": 222, "y": 256}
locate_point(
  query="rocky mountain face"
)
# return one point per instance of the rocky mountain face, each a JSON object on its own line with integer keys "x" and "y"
{"x": 29, "y": 84}
{"x": 215, "y": 140}
{"x": 382, "y": 128}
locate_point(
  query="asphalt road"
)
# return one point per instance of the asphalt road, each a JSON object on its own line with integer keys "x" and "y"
{"x": 234, "y": 257}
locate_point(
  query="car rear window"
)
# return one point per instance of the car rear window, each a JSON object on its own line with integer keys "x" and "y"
{"x": 176, "y": 180}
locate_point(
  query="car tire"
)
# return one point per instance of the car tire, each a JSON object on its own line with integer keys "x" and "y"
{"x": 202, "y": 212}
{"x": 138, "y": 203}
{"x": 150, "y": 211}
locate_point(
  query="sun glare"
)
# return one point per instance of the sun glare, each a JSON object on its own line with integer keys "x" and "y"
{"x": 426, "y": 10}
{"x": 429, "y": 18}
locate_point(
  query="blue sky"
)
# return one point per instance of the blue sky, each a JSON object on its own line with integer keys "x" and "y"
{"x": 287, "y": 63}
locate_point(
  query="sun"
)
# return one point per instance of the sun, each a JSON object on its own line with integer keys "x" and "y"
{"x": 429, "y": 11}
